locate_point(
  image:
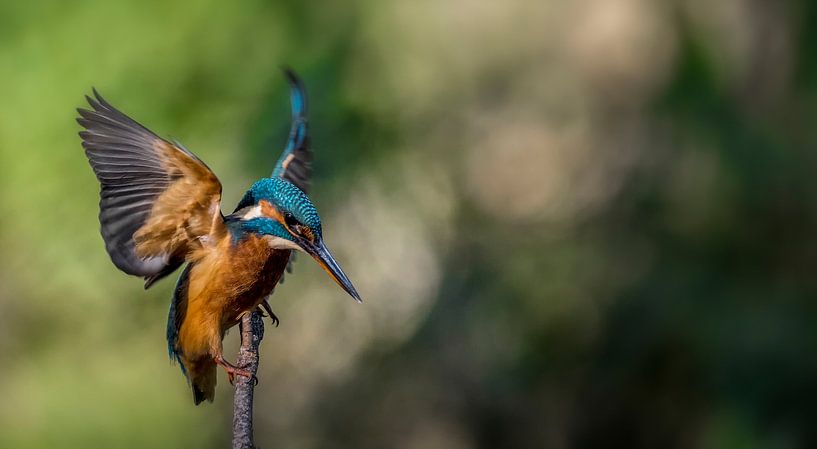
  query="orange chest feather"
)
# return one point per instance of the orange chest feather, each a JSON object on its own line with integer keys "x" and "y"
{"x": 233, "y": 278}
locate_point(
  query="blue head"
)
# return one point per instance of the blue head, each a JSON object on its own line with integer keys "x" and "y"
{"x": 277, "y": 208}
{"x": 284, "y": 215}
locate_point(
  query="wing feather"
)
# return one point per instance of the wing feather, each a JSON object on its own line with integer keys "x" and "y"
{"x": 157, "y": 198}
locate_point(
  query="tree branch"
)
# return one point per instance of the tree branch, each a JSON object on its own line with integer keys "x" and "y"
{"x": 252, "y": 331}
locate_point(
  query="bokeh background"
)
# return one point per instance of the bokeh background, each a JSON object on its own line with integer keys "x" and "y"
{"x": 575, "y": 223}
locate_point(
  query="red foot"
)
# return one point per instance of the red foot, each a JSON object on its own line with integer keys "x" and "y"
{"x": 233, "y": 371}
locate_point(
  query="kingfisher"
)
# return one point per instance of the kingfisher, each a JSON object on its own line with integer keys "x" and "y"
{"x": 160, "y": 208}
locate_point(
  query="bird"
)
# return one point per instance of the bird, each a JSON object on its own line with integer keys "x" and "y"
{"x": 160, "y": 208}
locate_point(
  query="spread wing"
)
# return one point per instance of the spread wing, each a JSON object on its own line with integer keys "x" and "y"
{"x": 295, "y": 163}
{"x": 158, "y": 201}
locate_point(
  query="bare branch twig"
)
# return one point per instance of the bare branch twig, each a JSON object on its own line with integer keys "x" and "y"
{"x": 252, "y": 331}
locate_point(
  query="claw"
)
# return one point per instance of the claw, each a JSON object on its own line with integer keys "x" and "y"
{"x": 268, "y": 309}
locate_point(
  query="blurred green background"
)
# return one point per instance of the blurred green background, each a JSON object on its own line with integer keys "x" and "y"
{"x": 575, "y": 223}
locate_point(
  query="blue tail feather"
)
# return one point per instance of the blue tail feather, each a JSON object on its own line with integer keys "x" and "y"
{"x": 178, "y": 310}
{"x": 297, "y": 94}
{"x": 298, "y": 131}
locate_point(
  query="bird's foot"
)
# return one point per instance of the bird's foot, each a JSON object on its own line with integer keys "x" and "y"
{"x": 233, "y": 371}
{"x": 265, "y": 305}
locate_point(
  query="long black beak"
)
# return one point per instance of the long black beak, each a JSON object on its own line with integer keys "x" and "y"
{"x": 321, "y": 254}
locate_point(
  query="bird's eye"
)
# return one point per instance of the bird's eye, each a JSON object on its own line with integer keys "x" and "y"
{"x": 297, "y": 228}
{"x": 290, "y": 220}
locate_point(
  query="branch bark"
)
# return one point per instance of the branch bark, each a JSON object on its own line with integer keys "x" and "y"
{"x": 252, "y": 331}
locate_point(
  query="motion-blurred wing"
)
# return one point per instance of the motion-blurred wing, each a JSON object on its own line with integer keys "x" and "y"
{"x": 158, "y": 200}
{"x": 295, "y": 164}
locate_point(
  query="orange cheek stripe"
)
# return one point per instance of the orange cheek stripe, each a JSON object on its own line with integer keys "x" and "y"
{"x": 268, "y": 210}
{"x": 306, "y": 232}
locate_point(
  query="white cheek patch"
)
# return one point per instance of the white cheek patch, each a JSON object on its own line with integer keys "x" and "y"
{"x": 253, "y": 212}
{"x": 279, "y": 243}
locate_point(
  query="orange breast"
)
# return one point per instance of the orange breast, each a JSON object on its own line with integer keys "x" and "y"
{"x": 235, "y": 278}
{"x": 225, "y": 282}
